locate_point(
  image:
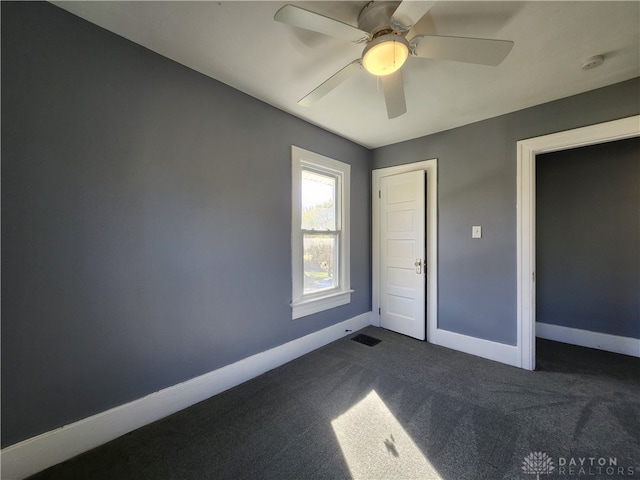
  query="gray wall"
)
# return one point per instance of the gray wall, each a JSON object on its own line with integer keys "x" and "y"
{"x": 146, "y": 222}
{"x": 477, "y": 186}
{"x": 588, "y": 238}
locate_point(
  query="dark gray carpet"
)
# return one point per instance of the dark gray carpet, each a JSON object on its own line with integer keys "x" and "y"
{"x": 400, "y": 409}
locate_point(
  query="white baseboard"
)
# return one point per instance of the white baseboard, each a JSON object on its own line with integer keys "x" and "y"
{"x": 35, "y": 454}
{"x": 499, "y": 352}
{"x": 586, "y": 338}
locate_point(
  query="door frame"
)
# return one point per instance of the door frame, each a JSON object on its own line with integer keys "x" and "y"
{"x": 526, "y": 214}
{"x": 431, "y": 250}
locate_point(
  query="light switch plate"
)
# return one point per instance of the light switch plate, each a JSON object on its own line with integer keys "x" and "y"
{"x": 476, "y": 231}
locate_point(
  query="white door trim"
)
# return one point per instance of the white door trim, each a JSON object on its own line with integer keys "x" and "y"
{"x": 431, "y": 167}
{"x": 526, "y": 214}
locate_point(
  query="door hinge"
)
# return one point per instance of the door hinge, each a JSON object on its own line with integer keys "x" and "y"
{"x": 379, "y": 311}
{"x": 379, "y": 193}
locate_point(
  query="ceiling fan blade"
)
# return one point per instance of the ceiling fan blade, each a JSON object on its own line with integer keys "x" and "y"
{"x": 409, "y": 13}
{"x": 299, "y": 17}
{"x": 393, "y": 88}
{"x": 331, "y": 83}
{"x": 482, "y": 51}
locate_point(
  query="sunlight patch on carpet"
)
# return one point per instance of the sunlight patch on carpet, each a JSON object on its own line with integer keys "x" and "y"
{"x": 375, "y": 445}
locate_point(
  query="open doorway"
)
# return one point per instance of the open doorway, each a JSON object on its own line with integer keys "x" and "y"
{"x": 588, "y": 246}
{"x": 526, "y": 214}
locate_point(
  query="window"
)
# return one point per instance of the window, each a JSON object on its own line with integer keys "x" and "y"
{"x": 319, "y": 233}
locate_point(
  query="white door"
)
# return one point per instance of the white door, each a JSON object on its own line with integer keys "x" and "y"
{"x": 402, "y": 253}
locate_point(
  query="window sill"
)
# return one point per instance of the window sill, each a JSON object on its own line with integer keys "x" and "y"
{"x": 302, "y": 308}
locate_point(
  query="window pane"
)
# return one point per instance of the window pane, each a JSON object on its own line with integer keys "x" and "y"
{"x": 318, "y": 201}
{"x": 320, "y": 262}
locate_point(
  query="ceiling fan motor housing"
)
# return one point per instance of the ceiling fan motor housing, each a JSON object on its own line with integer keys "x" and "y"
{"x": 375, "y": 17}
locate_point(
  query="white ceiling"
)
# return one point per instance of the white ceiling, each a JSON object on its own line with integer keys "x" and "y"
{"x": 239, "y": 43}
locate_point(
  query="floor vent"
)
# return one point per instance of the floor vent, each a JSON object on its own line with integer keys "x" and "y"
{"x": 366, "y": 340}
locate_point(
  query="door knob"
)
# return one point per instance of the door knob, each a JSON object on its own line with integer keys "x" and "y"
{"x": 418, "y": 264}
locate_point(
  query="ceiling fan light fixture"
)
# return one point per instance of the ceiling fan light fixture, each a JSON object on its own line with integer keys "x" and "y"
{"x": 385, "y": 54}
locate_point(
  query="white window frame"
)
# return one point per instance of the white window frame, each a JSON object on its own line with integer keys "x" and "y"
{"x": 306, "y": 304}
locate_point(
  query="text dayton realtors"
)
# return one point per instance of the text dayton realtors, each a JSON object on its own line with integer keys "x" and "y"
{"x": 592, "y": 466}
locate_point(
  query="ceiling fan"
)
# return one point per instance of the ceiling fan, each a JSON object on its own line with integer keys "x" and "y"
{"x": 382, "y": 27}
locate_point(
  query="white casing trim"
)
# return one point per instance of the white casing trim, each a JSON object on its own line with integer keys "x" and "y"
{"x": 50, "y": 448}
{"x": 526, "y": 214}
{"x": 586, "y": 338}
{"x": 315, "y": 305}
{"x": 488, "y": 349}
{"x": 301, "y": 304}
{"x": 431, "y": 167}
